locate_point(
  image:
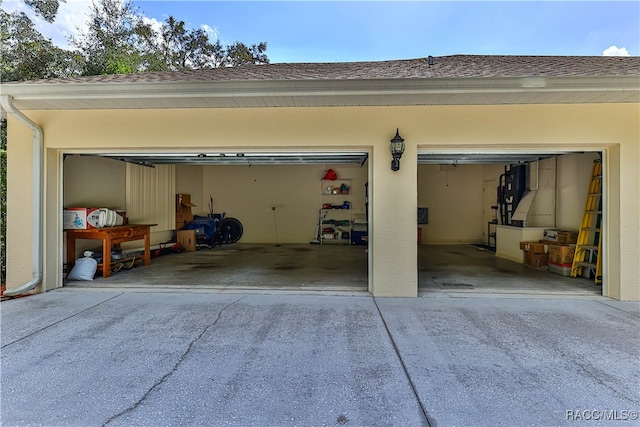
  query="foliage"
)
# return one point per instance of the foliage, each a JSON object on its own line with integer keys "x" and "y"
{"x": 240, "y": 54}
{"x": 26, "y": 55}
{"x": 47, "y": 9}
{"x": 109, "y": 45}
{"x": 120, "y": 39}
{"x": 175, "y": 47}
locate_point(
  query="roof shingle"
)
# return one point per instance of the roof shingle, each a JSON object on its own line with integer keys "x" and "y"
{"x": 455, "y": 66}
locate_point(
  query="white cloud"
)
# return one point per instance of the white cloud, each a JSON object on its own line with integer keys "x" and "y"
{"x": 71, "y": 19}
{"x": 212, "y": 32}
{"x": 155, "y": 25}
{"x": 615, "y": 51}
{"x": 153, "y": 22}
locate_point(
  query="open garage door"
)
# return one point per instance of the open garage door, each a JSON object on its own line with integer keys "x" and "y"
{"x": 277, "y": 196}
{"x": 482, "y": 205}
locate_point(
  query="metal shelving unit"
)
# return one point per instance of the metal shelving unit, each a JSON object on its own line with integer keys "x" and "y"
{"x": 337, "y": 211}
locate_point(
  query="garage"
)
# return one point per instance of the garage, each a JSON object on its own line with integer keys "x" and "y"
{"x": 468, "y": 210}
{"x": 295, "y": 233}
{"x": 276, "y": 197}
{"x": 569, "y": 107}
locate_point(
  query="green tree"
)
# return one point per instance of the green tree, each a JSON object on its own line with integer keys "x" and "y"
{"x": 176, "y": 47}
{"x": 110, "y": 45}
{"x": 120, "y": 39}
{"x": 179, "y": 48}
{"x": 26, "y": 55}
{"x": 47, "y": 9}
{"x": 240, "y": 54}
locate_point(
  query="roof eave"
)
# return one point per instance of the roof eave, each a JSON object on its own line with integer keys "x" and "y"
{"x": 323, "y": 92}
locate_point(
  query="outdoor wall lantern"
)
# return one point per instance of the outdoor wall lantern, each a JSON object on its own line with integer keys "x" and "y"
{"x": 396, "y": 148}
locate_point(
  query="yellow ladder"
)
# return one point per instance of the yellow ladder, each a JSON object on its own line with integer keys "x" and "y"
{"x": 588, "y": 253}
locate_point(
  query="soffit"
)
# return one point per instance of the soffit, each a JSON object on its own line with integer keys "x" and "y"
{"x": 325, "y": 93}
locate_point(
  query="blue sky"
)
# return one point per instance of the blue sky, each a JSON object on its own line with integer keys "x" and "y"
{"x": 341, "y": 31}
{"x": 320, "y": 31}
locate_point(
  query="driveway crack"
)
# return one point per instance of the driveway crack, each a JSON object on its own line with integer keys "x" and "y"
{"x": 427, "y": 420}
{"x": 175, "y": 367}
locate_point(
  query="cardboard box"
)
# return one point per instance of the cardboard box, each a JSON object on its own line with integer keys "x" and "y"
{"x": 183, "y": 219}
{"x": 80, "y": 218}
{"x": 534, "y": 247}
{"x": 562, "y": 254}
{"x": 535, "y": 260}
{"x": 550, "y": 235}
{"x": 187, "y": 238}
{"x": 567, "y": 237}
{"x": 535, "y": 253}
{"x": 563, "y": 237}
{"x": 183, "y": 210}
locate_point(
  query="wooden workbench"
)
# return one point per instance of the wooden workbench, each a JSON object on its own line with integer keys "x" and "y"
{"x": 111, "y": 238}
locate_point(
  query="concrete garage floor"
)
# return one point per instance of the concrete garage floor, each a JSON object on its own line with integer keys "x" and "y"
{"x": 250, "y": 266}
{"x": 339, "y": 268}
{"x": 468, "y": 269}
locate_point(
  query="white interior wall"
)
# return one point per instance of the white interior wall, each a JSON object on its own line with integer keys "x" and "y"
{"x": 559, "y": 201}
{"x": 189, "y": 181}
{"x": 94, "y": 182}
{"x": 574, "y": 175}
{"x": 249, "y": 193}
{"x": 454, "y": 199}
{"x": 492, "y": 172}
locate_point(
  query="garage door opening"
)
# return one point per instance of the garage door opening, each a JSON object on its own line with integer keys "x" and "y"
{"x": 295, "y": 235}
{"x": 478, "y": 221}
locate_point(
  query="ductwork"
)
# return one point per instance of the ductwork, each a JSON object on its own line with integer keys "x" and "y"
{"x": 537, "y": 206}
{"x": 37, "y": 166}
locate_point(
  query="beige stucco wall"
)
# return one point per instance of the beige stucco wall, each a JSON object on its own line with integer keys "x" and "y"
{"x": 393, "y": 196}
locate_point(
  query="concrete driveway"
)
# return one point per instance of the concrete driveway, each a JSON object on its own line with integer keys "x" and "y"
{"x": 83, "y": 358}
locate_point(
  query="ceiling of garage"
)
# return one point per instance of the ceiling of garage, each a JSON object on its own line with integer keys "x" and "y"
{"x": 298, "y": 158}
{"x": 241, "y": 158}
{"x": 483, "y": 158}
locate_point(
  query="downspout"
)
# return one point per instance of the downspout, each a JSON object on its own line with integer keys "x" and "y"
{"x": 37, "y": 165}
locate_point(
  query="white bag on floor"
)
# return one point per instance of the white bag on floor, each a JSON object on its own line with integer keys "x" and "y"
{"x": 84, "y": 268}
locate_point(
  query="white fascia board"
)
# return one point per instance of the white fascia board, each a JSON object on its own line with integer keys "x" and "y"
{"x": 375, "y": 89}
